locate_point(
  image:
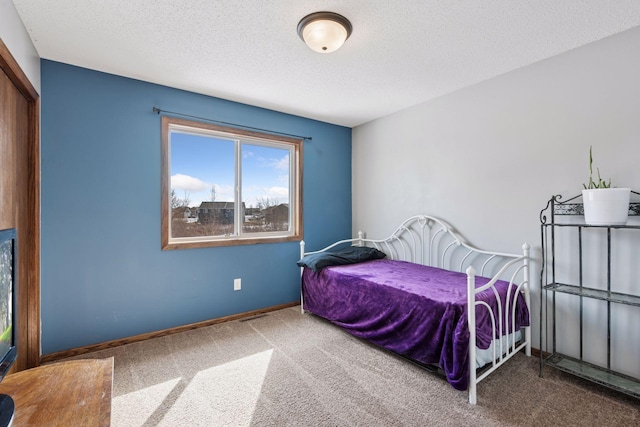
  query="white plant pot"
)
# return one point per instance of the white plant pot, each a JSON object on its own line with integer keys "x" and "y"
{"x": 606, "y": 206}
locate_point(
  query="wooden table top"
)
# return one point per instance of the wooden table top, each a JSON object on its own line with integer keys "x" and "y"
{"x": 70, "y": 393}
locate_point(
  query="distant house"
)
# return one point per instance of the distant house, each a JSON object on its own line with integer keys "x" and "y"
{"x": 191, "y": 214}
{"x": 276, "y": 214}
{"x": 217, "y": 212}
{"x": 182, "y": 212}
{"x": 252, "y": 214}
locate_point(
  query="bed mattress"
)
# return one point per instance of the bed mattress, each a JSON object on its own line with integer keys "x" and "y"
{"x": 411, "y": 309}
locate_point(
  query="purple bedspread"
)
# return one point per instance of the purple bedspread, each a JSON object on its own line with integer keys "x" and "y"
{"x": 411, "y": 309}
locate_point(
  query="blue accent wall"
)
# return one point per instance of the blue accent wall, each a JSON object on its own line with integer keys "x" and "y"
{"x": 104, "y": 276}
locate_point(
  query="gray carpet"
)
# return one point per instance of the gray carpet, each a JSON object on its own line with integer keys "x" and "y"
{"x": 289, "y": 369}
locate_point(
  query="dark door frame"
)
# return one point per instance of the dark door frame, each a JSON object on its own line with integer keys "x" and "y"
{"x": 28, "y": 218}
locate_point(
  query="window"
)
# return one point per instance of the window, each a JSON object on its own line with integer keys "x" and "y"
{"x": 225, "y": 186}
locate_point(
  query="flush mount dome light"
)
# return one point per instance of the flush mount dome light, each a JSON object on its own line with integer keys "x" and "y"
{"x": 324, "y": 32}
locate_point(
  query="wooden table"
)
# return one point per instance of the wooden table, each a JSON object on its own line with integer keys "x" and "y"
{"x": 71, "y": 393}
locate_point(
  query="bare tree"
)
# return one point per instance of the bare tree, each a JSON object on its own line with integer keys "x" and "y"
{"x": 177, "y": 202}
{"x": 264, "y": 202}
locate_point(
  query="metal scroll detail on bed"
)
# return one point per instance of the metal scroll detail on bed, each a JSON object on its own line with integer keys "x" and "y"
{"x": 414, "y": 301}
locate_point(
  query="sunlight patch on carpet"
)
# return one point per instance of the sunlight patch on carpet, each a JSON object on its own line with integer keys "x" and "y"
{"x": 138, "y": 406}
{"x": 222, "y": 395}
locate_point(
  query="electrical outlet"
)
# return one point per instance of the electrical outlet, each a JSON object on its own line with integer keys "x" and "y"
{"x": 237, "y": 284}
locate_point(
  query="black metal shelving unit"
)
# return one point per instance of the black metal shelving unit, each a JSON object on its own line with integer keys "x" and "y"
{"x": 551, "y": 220}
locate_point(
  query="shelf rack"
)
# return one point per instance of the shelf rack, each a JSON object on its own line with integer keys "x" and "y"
{"x": 550, "y": 220}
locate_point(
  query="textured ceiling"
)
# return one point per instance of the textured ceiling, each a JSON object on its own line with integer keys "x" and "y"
{"x": 401, "y": 52}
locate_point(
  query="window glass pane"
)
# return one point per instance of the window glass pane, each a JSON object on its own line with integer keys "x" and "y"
{"x": 202, "y": 185}
{"x": 224, "y": 186}
{"x": 265, "y": 188}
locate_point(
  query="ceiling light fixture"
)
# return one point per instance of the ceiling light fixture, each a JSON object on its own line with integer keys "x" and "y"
{"x": 324, "y": 32}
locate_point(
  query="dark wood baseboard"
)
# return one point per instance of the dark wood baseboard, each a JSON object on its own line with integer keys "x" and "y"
{"x": 52, "y": 357}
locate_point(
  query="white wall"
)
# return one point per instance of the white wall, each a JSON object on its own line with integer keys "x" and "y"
{"x": 14, "y": 35}
{"x": 488, "y": 157}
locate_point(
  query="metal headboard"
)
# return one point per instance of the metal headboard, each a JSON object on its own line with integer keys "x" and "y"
{"x": 427, "y": 240}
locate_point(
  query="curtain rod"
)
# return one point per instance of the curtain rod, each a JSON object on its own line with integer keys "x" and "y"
{"x": 158, "y": 111}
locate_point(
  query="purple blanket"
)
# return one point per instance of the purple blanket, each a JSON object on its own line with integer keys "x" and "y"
{"x": 410, "y": 309}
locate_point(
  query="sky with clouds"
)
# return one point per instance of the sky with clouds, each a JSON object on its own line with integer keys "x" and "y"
{"x": 200, "y": 163}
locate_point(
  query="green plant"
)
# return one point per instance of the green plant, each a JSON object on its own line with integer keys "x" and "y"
{"x": 600, "y": 183}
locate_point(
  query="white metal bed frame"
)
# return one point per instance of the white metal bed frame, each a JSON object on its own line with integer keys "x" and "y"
{"x": 430, "y": 241}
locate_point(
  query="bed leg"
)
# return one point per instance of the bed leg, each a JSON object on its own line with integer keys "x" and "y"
{"x": 301, "y": 271}
{"x": 472, "y": 393}
{"x": 471, "y": 319}
{"x": 302, "y": 310}
{"x": 527, "y": 296}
